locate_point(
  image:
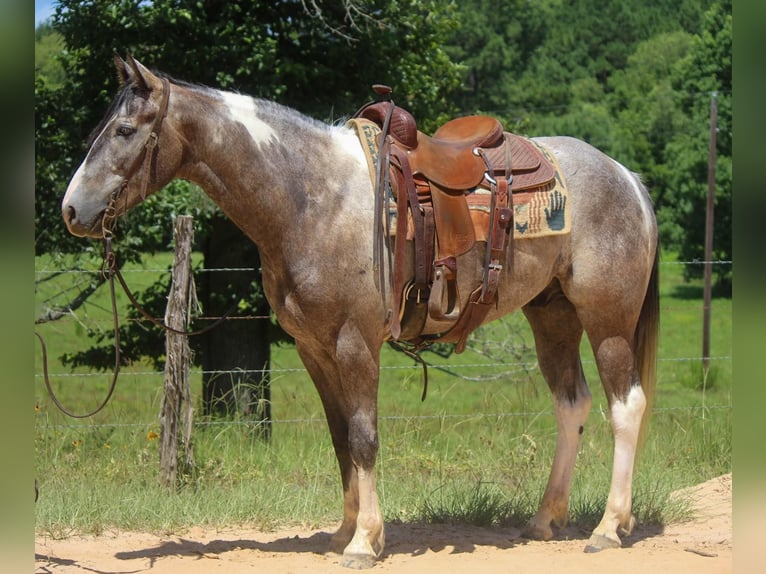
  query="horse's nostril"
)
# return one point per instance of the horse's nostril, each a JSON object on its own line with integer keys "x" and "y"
{"x": 70, "y": 214}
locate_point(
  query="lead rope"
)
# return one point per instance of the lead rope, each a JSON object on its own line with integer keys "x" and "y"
{"x": 107, "y": 271}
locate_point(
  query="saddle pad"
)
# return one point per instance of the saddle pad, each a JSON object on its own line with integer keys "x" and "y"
{"x": 367, "y": 132}
{"x": 536, "y": 212}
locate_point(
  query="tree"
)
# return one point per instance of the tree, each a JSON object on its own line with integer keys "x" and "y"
{"x": 705, "y": 70}
{"x": 320, "y": 58}
{"x": 630, "y": 77}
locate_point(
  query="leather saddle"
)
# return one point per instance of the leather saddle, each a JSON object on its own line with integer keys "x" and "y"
{"x": 431, "y": 179}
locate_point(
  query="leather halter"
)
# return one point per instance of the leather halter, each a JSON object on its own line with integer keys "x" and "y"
{"x": 147, "y": 159}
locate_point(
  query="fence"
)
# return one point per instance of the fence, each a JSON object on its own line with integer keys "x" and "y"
{"x": 96, "y": 319}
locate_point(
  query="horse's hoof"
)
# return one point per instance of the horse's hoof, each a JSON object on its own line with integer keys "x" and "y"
{"x": 358, "y": 561}
{"x": 598, "y": 542}
{"x": 534, "y": 532}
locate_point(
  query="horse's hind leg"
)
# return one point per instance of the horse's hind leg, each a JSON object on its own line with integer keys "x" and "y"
{"x": 610, "y": 326}
{"x": 627, "y": 402}
{"x": 557, "y": 332}
{"x": 347, "y": 381}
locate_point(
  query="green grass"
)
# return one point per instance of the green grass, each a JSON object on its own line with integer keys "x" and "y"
{"x": 478, "y": 450}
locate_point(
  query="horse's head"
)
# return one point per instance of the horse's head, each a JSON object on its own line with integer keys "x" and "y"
{"x": 130, "y": 155}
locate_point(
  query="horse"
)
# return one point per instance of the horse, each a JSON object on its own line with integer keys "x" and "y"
{"x": 301, "y": 190}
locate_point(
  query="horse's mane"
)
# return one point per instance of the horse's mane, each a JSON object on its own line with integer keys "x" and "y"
{"x": 126, "y": 95}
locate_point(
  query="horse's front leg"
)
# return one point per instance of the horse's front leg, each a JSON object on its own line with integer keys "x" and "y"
{"x": 347, "y": 380}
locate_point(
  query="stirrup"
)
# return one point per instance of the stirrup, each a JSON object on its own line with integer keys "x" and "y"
{"x": 444, "y": 287}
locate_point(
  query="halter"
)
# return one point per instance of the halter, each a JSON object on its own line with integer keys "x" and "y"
{"x": 109, "y": 268}
{"x": 147, "y": 159}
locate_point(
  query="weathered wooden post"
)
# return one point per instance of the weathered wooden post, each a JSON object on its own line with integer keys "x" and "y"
{"x": 176, "y": 411}
{"x": 709, "y": 225}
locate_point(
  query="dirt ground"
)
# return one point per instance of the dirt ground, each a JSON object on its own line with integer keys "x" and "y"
{"x": 700, "y": 546}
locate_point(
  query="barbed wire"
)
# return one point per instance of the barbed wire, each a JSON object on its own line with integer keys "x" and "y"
{"x": 97, "y": 271}
{"x": 383, "y": 418}
{"x": 417, "y": 367}
{"x": 508, "y": 368}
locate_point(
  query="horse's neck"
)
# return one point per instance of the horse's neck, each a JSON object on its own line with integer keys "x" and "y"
{"x": 264, "y": 165}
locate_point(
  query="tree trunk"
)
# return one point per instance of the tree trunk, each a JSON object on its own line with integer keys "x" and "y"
{"x": 236, "y": 354}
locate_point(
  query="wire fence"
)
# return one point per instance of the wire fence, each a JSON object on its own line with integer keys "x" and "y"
{"x": 504, "y": 369}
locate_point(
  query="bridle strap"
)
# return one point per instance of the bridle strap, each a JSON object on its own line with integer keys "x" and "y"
{"x": 150, "y": 148}
{"x": 154, "y": 136}
{"x": 110, "y": 269}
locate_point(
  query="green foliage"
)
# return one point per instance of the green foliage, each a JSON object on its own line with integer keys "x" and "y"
{"x": 48, "y": 45}
{"x": 632, "y": 79}
{"x": 704, "y": 71}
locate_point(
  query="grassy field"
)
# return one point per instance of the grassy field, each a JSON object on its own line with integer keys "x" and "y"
{"x": 477, "y": 450}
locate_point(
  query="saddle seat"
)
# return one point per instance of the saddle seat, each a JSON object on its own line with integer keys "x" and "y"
{"x": 448, "y": 158}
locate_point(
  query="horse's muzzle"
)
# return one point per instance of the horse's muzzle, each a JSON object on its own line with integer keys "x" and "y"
{"x": 78, "y": 227}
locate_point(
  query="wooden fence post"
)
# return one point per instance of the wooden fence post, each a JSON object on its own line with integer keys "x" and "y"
{"x": 709, "y": 227}
{"x": 176, "y": 410}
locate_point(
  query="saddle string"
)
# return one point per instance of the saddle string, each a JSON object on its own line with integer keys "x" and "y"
{"x": 381, "y": 196}
{"x": 491, "y": 257}
{"x": 414, "y": 353}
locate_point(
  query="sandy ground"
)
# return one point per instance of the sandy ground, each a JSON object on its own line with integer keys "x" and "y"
{"x": 700, "y": 546}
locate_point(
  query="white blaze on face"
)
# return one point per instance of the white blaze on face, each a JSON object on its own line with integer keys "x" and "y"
{"x": 244, "y": 110}
{"x": 73, "y": 184}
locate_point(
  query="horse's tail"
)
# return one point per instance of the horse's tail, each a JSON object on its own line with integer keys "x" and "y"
{"x": 645, "y": 343}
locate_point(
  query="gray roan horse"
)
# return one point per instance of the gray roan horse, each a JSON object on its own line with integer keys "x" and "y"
{"x": 301, "y": 190}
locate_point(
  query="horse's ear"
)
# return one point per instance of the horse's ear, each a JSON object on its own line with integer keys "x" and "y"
{"x": 131, "y": 71}
{"x": 142, "y": 77}
{"x": 123, "y": 72}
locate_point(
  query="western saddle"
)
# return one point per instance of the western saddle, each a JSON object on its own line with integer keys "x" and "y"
{"x": 433, "y": 180}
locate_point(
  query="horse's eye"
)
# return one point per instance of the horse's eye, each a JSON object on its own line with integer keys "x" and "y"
{"x": 125, "y": 130}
